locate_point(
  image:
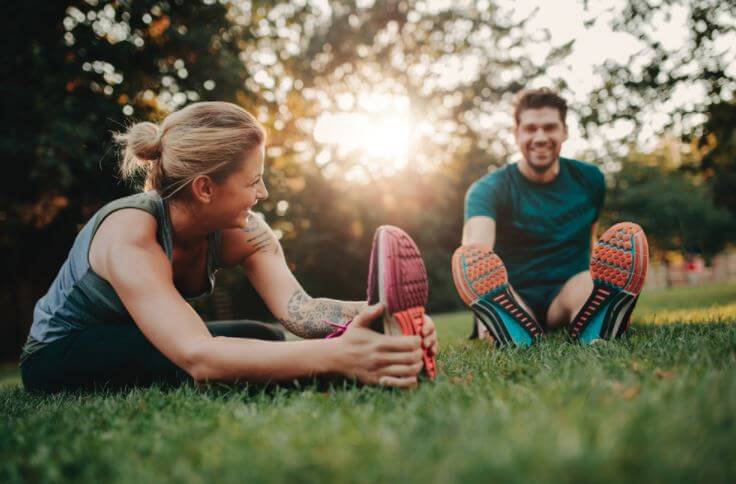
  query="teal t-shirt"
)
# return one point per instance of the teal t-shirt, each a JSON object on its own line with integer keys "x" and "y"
{"x": 543, "y": 230}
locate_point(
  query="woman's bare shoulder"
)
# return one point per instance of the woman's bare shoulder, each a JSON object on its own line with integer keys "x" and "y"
{"x": 129, "y": 224}
{"x": 125, "y": 227}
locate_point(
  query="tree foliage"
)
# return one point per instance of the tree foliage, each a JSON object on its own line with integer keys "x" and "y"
{"x": 694, "y": 81}
{"x": 78, "y": 70}
{"x": 676, "y": 209}
{"x": 74, "y": 72}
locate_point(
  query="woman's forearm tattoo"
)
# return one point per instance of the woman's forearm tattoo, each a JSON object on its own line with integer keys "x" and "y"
{"x": 306, "y": 316}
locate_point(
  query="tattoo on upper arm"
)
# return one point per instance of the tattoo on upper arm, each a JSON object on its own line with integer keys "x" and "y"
{"x": 260, "y": 238}
{"x": 306, "y": 316}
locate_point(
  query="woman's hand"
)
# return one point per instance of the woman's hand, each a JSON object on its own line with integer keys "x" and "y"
{"x": 378, "y": 359}
{"x": 429, "y": 336}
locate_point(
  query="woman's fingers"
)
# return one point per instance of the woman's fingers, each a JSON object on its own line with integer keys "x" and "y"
{"x": 430, "y": 342}
{"x": 398, "y": 382}
{"x": 400, "y": 357}
{"x": 428, "y": 326}
{"x": 429, "y": 335}
{"x": 401, "y": 370}
{"x": 400, "y": 343}
{"x": 367, "y": 316}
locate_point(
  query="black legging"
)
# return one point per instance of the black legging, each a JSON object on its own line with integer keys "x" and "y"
{"x": 115, "y": 356}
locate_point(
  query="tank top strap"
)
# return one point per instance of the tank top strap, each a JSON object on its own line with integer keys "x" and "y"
{"x": 213, "y": 249}
{"x": 150, "y": 202}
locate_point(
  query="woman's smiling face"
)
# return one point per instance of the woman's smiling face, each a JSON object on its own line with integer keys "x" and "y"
{"x": 241, "y": 191}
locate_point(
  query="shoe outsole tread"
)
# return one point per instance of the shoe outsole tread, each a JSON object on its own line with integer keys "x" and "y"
{"x": 481, "y": 280}
{"x": 405, "y": 285}
{"x": 618, "y": 268}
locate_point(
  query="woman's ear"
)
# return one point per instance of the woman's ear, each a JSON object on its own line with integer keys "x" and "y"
{"x": 202, "y": 188}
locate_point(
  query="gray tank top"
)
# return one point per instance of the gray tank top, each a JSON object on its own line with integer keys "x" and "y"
{"x": 79, "y": 298}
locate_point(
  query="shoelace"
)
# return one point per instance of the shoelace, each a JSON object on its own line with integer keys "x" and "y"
{"x": 340, "y": 328}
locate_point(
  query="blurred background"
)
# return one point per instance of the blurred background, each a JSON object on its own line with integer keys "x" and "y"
{"x": 378, "y": 112}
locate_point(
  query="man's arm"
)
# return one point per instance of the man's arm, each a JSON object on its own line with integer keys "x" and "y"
{"x": 257, "y": 249}
{"x": 593, "y": 234}
{"x": 479, "y": 230}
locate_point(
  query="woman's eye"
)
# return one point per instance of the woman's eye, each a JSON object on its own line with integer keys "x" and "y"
{"x": 255, "y": 182}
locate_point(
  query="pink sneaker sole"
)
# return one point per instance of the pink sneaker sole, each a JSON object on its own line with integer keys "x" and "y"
{"x": 397, "y": 277}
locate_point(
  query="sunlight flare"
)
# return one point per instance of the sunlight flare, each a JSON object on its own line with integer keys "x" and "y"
{"x": 380, "y": 132}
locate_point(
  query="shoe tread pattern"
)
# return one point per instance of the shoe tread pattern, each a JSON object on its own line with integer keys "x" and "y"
{"x": 618, "y": 268}
{"x": 481, "y": 279}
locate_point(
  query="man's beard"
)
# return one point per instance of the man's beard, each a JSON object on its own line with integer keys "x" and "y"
{"x": 541, "y": 169}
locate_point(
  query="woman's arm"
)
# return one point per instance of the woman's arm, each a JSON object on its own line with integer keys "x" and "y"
{"x": 256, "y": 248}
{"x": 306, "y": 316}
{"x": 126, "y": 254}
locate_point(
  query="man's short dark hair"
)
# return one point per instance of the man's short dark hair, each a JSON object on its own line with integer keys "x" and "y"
{"x": 539, "y": 98}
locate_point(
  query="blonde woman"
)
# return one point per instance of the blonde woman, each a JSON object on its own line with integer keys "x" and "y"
{"x": 117, "y": 312}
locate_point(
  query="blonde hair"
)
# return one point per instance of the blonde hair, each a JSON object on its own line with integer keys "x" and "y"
{"x": 206, "y": 138}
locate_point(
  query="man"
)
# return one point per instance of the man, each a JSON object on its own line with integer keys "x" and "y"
{"x": 540, "y": 216}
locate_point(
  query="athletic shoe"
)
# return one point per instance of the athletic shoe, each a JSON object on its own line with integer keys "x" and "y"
{"x": 480, "y": 331}
{"x": 482, "y": 282}
{"x": 397, "y": 278}
{"x": 618, "y": 268}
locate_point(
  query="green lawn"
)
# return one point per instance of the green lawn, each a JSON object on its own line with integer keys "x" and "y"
{"x": 657, "y": 406}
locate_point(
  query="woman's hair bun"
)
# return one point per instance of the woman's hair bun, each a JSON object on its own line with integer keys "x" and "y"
{"x": 144, "y": 140}
{"x": 142, "y": 148}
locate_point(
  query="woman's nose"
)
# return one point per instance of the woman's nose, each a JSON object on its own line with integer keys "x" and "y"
{"x": 263, "y": 192}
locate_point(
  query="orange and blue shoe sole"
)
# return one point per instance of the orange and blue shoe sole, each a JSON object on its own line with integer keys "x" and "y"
{"x": 398, "y": 278}
{"x": 482, "y": 282}
{"x": 618, "y": 267}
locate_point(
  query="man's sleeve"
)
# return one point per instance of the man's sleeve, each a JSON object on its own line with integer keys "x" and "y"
{"x": 599, "y": 194}
{"x": 482, "y": 198}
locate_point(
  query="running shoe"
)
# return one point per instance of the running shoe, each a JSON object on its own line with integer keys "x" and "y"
{"x": 482, "y": 282}
{"x": 397, "y": 277}
{"x": 618, "y": 268}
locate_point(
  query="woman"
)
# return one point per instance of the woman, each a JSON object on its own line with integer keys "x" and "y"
{"x": 116, "y": 314}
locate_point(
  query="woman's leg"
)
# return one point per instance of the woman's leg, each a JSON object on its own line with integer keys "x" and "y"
{"x": 109, "y": 356}
{"x": 244, "y": 328}
{"x": 115, "y": 356}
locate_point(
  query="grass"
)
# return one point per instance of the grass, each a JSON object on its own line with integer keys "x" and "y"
{"x": 657, "y": 406}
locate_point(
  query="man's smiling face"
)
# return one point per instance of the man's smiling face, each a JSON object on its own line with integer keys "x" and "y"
{"x": 539, "y": 134}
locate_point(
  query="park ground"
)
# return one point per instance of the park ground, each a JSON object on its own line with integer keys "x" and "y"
{"x": 656, "y": 406}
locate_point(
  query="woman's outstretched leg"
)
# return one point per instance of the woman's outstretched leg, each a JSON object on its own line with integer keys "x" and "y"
{"x": 118, "y": 356}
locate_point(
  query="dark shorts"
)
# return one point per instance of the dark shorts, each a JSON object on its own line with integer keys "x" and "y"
{"x": 539, "y": 299}
{"x": 116, "y": 356}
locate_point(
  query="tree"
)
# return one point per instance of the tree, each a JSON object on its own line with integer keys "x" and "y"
{"x": 694, "y": 81}
{"x": 403, "y": 50}
{"x": 675, "y": 208}
{"x": 78, "y": 70}
{"x": 73, "y": 72}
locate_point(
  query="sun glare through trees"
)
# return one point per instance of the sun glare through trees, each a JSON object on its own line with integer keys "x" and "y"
{"x": 380, "y": 131}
